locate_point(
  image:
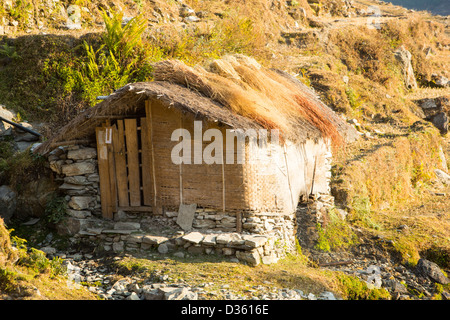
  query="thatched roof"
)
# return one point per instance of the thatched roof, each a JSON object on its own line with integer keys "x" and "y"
{"x": 237, "y": 94}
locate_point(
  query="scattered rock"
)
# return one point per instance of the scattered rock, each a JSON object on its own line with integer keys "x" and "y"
{"x": 186, "y": 11}
{"x": 440, "y": 81}
{"x": 163, "y": 248}
{"x": 327, "y": 295}
{"x": 395, "y": 286}
{"x": 179, "y": 254}
{"x": 151, "y": 293}
{"x": 49, "y": 251}
{"x": 133, "y": 296}
{"x": 442, "y": 176}
{"x": 73, "y": 17}
{"x": 191, "y": 19}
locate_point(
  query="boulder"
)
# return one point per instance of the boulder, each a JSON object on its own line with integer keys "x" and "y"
{"x": 49, "y": 251}
{"x": 185, "y": 216}
{"x": 431, "y": 270}
{"x": 231, "y": 239}
{"x": 251, "y": 257}
{"x": 429, "y": 107}
{"x": 404, "y": 57}
{"x": 440, "y": 121}
{"x": 78, "y": 214}
{"x": 8, "y": 203}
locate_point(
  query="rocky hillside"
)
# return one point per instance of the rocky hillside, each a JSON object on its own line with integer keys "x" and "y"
{"x": 383, "y": 68}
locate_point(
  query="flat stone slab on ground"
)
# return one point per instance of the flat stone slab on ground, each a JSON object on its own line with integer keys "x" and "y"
{"x": 127, "y": 226}
{"x": 154, "y": 239}
{"x": 193, "y": 237}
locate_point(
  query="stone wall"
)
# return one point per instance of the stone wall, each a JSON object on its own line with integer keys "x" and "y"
{"x": 265, "y": 237}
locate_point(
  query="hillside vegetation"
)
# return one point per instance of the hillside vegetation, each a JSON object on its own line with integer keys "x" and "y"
{"x": 55, "y": 62}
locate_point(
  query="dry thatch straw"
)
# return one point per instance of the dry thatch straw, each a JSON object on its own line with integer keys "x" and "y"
{"x": 236, "y": 91}
{"x": 242, "y": 85}
{"x": 224, "y": 68}
{"x": 177, "y": 72}
{"x": 245, "y": 102}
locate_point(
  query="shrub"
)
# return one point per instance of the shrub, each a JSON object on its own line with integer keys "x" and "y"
{"x": 55, "y": 209}
{"x": 20, "y": 168}
{"x": 415, "y": 34}
{"x": 362, "y": 212}
{"x": 367, "y": 53}
{"x": 116, "y": 62}
{"x": 335, "y": 233}
{"x": 355, "y": 289}
{"x": 390, "y": 173}
{"x": 39, "y": 263}
{"x": 7, "y": 280}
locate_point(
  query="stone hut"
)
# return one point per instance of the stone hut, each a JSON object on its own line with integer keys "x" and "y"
{"x": 221, "y": 154}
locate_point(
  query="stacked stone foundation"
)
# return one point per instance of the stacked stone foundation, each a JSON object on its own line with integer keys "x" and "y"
{"x": 263, "y": 237}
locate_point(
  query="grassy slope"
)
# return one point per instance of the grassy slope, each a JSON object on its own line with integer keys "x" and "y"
{"x": 29, "y": 275}
{"x": 374, "y": 96}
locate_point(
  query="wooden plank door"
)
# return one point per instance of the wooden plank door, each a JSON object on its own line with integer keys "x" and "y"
{"x": 134, "y": 180}
{"x": 120, "y": 164}
{"x": 146, "y": 164}
{"x": 106, "y": 171}
{"x": 125, "y": 166}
